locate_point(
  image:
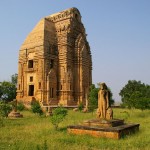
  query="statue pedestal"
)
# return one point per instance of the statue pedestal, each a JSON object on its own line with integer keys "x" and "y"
{"x": 108, "y": 127}
{"x": 14, "y": 114}
{"x": 103, "y": 123}
{"x": 114, "y": 128}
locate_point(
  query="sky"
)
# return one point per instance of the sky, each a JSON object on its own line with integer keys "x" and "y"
{"x": 118, "y": 32}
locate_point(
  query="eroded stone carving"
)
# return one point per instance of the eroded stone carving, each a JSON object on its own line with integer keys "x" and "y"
{"x": 57, "y": 44}
{"x": 104, "y": 111}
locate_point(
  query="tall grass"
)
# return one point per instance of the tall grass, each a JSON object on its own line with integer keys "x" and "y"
{"x": 37, "y": 133}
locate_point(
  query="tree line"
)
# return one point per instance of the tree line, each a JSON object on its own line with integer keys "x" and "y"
{"x": 134, "y": 94}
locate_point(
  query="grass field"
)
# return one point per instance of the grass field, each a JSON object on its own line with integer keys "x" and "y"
{"x": 36, "y": 133}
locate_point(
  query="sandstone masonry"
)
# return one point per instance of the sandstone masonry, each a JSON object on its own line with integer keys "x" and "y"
{"x": 55, "y": 65}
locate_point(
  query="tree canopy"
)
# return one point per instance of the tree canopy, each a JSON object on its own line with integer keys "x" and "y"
{"x": 93, "y": 98}
{"x": 14, "y": 79}
{"x": 8, "y": 89}
{"x": 136, "y": 95}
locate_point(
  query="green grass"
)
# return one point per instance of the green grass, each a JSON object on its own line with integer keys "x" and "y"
{"x": 33, "y": 133}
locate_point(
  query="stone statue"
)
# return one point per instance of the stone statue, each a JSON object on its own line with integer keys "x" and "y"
{"x": 104, "y": 111}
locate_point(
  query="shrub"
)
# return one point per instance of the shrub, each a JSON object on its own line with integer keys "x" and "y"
{"x": 58, "y": 116}
{"x": 80, "y": 106}
{"x": 20, "y": 106}
{"x": 36, "y": 108}
{"x": 5, "y": 109}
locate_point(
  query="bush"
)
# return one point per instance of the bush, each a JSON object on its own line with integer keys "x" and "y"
{"x": 80, "y": 106}
{"x": 5, "y": 109}
{"x": 93, "y": 98}
{"x": 58, "y": 116}
{"x": 20, "y": 106}
{"x": 36, "y": 108}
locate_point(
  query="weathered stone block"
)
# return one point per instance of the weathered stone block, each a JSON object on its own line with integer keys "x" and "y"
{"x": 104, "y": 132}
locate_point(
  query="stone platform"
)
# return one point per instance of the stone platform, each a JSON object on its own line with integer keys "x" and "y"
{"x": 103, "y": 122}
{"x": 114, "y": 129}
{"x": 14, "y": 114}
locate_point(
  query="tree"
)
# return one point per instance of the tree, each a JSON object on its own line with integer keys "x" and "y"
{"x": 143, "y": 103}
{"x": 7, "y": 91}
{"x": 1, "y": 93}
{"x": 111, "y": 100}
{"x": 58, "y": 116}
{"x": 14, "y": 79}
{"x": 93, "y": 98}
{"x": 136, "y": 95}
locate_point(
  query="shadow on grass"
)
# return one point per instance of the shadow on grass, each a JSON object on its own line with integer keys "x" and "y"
{"x": 62, "y": 129}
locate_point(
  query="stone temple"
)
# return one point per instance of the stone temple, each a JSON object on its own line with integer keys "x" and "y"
{"x": 55, "y": 64}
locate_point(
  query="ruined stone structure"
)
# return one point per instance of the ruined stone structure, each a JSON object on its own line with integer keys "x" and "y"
{"x": 55, "y": 65}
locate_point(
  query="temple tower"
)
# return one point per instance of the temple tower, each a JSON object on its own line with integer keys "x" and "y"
{"x": 55, "y": 65}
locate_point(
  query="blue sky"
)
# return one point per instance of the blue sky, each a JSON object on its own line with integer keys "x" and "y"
{"x": 118, "y": 34}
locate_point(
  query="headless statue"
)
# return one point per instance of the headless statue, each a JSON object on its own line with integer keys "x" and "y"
{"x": 104, "y": 111}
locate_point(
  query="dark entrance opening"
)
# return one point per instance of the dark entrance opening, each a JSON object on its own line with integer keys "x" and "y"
{"x": 30, "y": 64}
{"x": 31, "y": 90}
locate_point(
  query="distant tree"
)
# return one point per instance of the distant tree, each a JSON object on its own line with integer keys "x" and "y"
{"x": 127, "y": 91}
{"x": 14, "y": 79}
{"x": 1, "y": 92}
{"x": 111, "y": 100}
{"x": 136, "y": 95}
{"x": 143, "y": 103}
{"x": 93, "y": 98}
{"x": 7, "y": 91}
